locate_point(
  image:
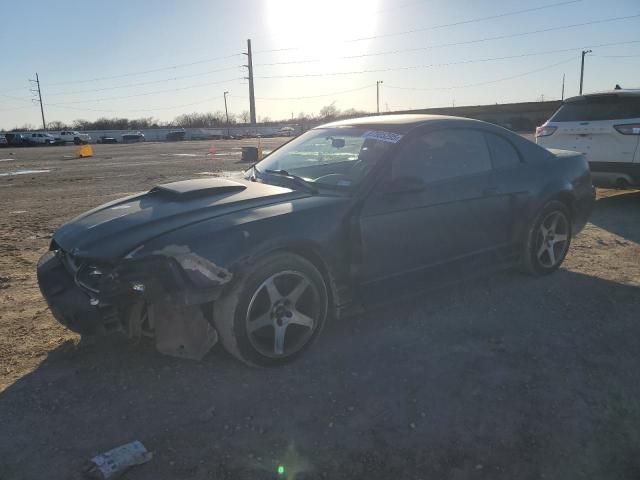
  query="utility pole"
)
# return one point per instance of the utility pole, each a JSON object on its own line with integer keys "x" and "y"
{"x": 252, "y": 98}
{"x": 562, "y": 87}
{"x": 378, "y": 95}
{"x": 227, "y": 113}
{"x": 584, "y": 52}
{"x": 37, "y": 82}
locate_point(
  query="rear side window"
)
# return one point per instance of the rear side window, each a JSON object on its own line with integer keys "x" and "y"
{"x": 599, "y": 107}
{"x": 442, "y": 155}
{"x": 503, "y": 154}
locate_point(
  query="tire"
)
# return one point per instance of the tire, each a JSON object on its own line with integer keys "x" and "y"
{"x": 77, "y": 141}
{"x": 263, "y": 327}
{"x": 548, "y": 240}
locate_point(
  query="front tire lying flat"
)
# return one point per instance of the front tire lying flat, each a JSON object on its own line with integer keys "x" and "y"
{"x": 274, "y": 311}
{"x": 548, "y": 240}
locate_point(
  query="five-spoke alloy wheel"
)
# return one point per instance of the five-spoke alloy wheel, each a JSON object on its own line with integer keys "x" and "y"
{"x": 548, "y": 240}
{"x": 273, "y": 311}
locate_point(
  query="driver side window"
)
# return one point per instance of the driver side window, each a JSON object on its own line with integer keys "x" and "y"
{"x": 441, "y": 155}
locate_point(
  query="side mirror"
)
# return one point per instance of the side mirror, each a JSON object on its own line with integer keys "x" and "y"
{"x": 404, "y": 185}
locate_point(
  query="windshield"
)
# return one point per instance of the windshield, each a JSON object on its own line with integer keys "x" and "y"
{"x": 339, "y": 157}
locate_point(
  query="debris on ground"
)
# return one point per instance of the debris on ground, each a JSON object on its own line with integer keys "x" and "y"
{"x": 115, "y": 462}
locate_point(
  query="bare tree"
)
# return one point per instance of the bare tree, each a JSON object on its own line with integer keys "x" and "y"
{"x": 27, "y": 127}
{"x": 329, "y": 112}
{"x": 245, "y": 116}
{"x": 57, "y": 125}
{"x": 80, "y": 124}
{"x": 352, "y": 113}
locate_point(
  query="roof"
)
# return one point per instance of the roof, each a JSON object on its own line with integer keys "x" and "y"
{"x": 622, "y": 91}
{"x": 396, "y": 123}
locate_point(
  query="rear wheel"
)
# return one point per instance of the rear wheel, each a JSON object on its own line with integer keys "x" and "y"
{"x": 548, "y": 240}
{"x": 274, "y": 311}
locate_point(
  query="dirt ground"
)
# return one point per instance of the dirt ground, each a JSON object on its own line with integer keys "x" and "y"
{"x": 499, "y": 378}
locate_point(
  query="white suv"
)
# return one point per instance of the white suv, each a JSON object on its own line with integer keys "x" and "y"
{"x": 73, "y": 136}
{"x": 605, "y": 126}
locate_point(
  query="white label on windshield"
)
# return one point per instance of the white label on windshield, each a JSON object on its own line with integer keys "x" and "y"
{"x": 382, "y": 136}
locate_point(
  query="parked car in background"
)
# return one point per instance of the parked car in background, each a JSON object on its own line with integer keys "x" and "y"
{"x": 106, "y": 139}
{"x": 41, "y": 139}
{"x": 286, "y": 131}
{"x": 133, "y": 137}
{"x": 176, "y": 136}
{"x": 348, "y": 213}
{"x": 16, "y": 139}
{"x": 77, "y": 138}
{"x": 605, "y": 126}
{"x": 207, "y": 134}
{"x": 3, "y": 141}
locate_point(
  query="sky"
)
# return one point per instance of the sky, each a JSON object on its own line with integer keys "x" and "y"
{"x": 162, "y": 58}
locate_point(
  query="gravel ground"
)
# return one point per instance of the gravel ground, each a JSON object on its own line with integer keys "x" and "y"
{"x": 501, "y": 377}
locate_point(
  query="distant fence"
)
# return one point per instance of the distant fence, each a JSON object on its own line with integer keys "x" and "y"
{"x": 521, "y": 117}
{"x": 160, "y": 134}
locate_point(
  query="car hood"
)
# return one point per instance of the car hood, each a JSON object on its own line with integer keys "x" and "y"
{"x": 114, "y": 229}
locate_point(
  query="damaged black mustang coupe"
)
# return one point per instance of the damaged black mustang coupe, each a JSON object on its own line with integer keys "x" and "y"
{"x": 346, "y": 214}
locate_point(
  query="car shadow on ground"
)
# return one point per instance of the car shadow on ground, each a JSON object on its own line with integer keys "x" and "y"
{"x": 619, "y": 214}
{"x": 503, "y": 377}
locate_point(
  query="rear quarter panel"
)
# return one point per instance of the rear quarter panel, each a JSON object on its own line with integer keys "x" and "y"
{"x": 565, "y": 176}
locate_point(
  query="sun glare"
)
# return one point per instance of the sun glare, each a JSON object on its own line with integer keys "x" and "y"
{"x": 320, "y": 25}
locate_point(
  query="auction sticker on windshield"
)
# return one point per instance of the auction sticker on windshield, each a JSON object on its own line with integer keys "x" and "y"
{"x": 382, "y": 136}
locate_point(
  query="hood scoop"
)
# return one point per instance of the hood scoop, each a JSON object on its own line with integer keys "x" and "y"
{"x": 199, "y": 187}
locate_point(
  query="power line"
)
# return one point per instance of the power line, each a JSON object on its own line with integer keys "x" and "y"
{"x": 414, "y": 67}
{"x": 201, "y": 101}
{"x": 145, "y": 83}
{"x": 336, "y": 93}
{"x": 616, "y": 56}
{"x": 146, "y": 93}
{"x": 488, "y": 82}
{"x": 208, "y": 60}
{"x": 144, "y": 72}
{"x": 465, "y": 22}
{"x": 172, "y": 107}
{"x": 15, "y": 98}
{"x": 15, "y": 108}
{"x": 467, "y": 42}
{"x": 420, "y": 89}
{"x": 316, "y": 96}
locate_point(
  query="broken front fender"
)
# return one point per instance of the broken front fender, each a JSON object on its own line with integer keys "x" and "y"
{"x": 172, "y": 274}
{"x": 166, "y": 295}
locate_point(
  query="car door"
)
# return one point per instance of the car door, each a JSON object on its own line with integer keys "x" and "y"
{"x": 451, "y": 216}
{"x": 511, "y": 183}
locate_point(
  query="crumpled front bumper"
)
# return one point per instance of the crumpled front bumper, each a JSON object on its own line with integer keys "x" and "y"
{"x": 170, "y": 307}
{"x": 70, "y": 305}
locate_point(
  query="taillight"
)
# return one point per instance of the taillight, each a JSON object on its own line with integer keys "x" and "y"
{"x": 628, "y": 129}
{"x": 545, "y": 131}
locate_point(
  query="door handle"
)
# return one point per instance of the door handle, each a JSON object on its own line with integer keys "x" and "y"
{"x": 487, "y": 192}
